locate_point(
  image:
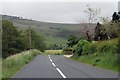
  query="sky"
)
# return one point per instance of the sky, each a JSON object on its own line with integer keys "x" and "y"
{"x": 57, "y": 11}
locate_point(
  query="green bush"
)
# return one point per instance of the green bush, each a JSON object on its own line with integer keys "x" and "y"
{"x": 92, "y": 48}
{"x": 107, "y": 47}
{"x": 100, "y": 53}
{"x": 86, "y": 48}
{"x": 82, "y": 47}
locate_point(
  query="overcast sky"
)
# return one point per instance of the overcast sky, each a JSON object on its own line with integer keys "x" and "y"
{"x": 59, "y": 12}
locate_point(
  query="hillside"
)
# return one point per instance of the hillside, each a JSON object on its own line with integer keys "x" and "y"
{"x": 54, "y": 33}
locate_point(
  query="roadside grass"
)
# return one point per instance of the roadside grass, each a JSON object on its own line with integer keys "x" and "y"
{"x": 15, "y": 62}
{"x": 53, "y": 52}
{"x": 105, "y": 62}
{"x": 105, "y": 55}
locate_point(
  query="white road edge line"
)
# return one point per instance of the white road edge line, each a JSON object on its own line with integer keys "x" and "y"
{"x": 61, "y": 73}
{"x": 53, "y": 64}
{"x": 48, "y": 55}
{"x": 51, "y": 60}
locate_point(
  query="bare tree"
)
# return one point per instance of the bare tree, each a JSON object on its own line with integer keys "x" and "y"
{"x": 104, "y": 20}
{"x": 85, "y": 27}
{"x": 92, "y": 15}
{"x": 86, "y": 30}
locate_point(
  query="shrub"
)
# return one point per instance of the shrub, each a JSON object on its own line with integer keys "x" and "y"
{"x": 107, "y": 47}
{"x": 82, "y": 46}
{"x": 86, "y": 48}
{"x": 104, "y": 53}
{"x": 92, "y": 48}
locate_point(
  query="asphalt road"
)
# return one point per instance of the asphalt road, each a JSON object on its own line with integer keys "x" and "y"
{"x": 57, "y": 66}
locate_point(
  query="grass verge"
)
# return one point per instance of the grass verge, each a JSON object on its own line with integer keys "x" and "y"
{"x": 103, "y": 63}
{"x": 15, "y": 62}
{"x": 103, "y": 54}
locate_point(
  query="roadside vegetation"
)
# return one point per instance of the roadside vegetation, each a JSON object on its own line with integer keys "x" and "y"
{"x": 99, "y": 47}
{"x": 19, "y": 47}
{"x": 15, "y": 41}
{"x": 91, "y": 43}
{"x": 103, "y": 53}
{"x": 14, "y": 63}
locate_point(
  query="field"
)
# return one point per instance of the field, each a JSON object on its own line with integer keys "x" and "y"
{"x": 53, "y": 52}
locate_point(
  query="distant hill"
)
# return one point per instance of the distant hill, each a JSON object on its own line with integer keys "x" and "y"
{"x": 54, "y": 33}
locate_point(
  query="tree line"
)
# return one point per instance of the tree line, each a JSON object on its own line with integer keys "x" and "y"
{"x": 15, "y": 41}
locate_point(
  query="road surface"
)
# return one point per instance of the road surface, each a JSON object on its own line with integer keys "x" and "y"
{"x": 57, "y": 66}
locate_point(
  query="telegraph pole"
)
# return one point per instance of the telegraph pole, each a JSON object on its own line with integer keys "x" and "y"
{"x": 29, "y": 38}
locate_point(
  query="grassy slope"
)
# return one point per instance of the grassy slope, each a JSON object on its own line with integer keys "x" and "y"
{"x": 14, "y": 63}
{"x": 54, "y": 33}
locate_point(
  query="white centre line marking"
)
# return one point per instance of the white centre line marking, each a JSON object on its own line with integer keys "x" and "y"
{"x": 53, "y": 64}
{"x": 61, "y": 73}
{"x": 51, "y": 60}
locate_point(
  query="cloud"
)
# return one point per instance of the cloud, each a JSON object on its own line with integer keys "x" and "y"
{"x": 60, "y": 12}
